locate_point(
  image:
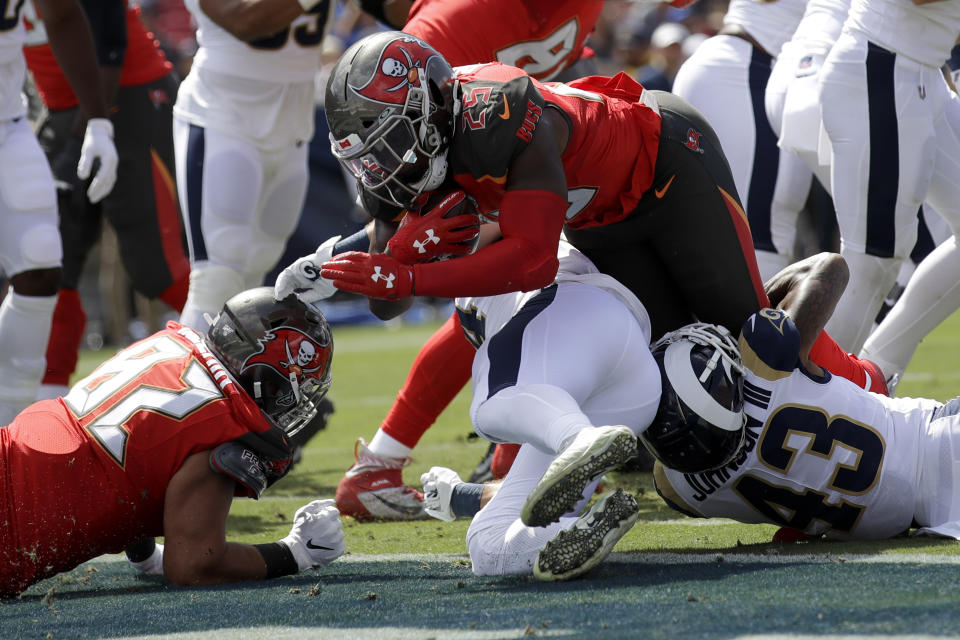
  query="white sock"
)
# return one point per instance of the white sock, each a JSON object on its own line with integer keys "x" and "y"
{"x": 932, "y": 294}
{"x": 25, "y": 323}
{"x": 387, "y": 446}
{"x": 210, "y": 286}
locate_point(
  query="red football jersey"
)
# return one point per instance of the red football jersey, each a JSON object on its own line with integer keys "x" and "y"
{"x": 86, "y": 474}
{"x": 143, "y": 61}
{"x": 542, "y": 37}
{"x": 609, "y": 158}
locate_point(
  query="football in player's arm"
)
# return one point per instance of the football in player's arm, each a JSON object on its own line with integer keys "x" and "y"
{"x": 160, "y": 438}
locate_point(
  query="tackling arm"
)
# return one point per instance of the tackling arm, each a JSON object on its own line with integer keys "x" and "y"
{"x": 808, "y": 291}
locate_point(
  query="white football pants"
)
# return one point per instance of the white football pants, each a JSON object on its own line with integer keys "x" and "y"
{"x": 726, "y": 80}
{"x": 893, "y": 144}
{"x": 240, "y": 204}
{"x": 582, "y": 361}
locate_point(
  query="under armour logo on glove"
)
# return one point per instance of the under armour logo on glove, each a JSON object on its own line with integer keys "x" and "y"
{"x": 447, "y": 225}
{"x": 375, "y": 275}
{"x": 422, "y": 246}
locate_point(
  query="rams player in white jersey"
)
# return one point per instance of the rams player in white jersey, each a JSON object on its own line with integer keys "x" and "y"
{"x": 30, "y": 250}
{"x": 795, "y": 446}
{"x": 726, "y": 80}
{"x": 242, "y": 121}
{"x": 822, "y": 455}
{"x": 553, "y": 367}
{"x": 892, "y": 126}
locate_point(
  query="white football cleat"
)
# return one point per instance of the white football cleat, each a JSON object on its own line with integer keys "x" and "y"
{"x": 593, "y": 452}
{"x": 592, "y": 537}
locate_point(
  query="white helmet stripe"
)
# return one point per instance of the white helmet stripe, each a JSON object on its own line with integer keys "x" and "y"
{"x": 676, "y": 364}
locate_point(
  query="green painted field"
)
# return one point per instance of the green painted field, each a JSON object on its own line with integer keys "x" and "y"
{"x": 669, "y": 577}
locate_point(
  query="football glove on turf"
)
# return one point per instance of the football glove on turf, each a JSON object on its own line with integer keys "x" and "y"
{"x": 316, "y": 538}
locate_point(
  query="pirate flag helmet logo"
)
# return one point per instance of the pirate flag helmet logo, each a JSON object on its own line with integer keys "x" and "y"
{"x": 390, "y": 104}
{"x": 278, "y": 351}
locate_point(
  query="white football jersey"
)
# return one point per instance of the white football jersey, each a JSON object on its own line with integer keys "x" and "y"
{"x": 821, "y": 24}
{"x": 822, "y": 455}
{"x": 13, "y": 68}
{"x": 483, "y": 316}
{"x": 261, "y": 90}
{"x": 924, "y": 33}
{"x": 770, "y": 23}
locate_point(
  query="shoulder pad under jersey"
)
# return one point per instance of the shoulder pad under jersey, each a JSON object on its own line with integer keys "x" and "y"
{"x": 770, "y": 344}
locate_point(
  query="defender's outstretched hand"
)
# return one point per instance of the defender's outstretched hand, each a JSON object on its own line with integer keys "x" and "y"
{"x": 316, "y": 538}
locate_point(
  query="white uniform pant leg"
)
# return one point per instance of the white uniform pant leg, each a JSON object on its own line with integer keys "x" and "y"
{"x": 498, "y": 542}
{"x": 879, "y": 112}
{"x": 933, "y": 292}
{"x": 240, "y": 205}
{"x": 29, "y": 240}
{"x": 938, "y": 481}
{"x": 582, "y": 360}
{"x": 726, "y": 80}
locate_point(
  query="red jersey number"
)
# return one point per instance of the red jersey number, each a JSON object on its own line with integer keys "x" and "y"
{"x": 108, "y": 392}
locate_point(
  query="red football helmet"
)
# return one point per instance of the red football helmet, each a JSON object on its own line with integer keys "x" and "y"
{"x": 390, "y": 105}
{"x": 279, "y": 352}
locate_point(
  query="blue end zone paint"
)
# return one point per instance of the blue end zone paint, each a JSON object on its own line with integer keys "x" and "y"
{"x": 630, "y": 596}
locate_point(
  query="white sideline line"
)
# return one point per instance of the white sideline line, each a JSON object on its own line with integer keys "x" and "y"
{"x": 661, "y": 558}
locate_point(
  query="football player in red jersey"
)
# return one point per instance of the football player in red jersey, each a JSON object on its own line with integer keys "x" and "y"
{"x": 141, "y": 87}
{"x": 638, "y": 178}
{"x": 160, "y": 438}
{"x": 546, "y": 39}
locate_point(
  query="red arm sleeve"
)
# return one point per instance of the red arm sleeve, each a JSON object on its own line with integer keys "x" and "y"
{"x": 523, "y": 260}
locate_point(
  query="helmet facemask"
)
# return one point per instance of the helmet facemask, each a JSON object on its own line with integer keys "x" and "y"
{"x": 390, "y": 105}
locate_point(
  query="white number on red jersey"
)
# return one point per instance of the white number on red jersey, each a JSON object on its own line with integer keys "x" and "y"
{"x": 107, "y": 385}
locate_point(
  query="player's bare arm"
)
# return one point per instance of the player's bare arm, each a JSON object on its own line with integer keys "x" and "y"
{"x": 251, "y": 19}
{"x": 72, "y": 44}
{"x": 808, "y": 291}
{"x": 390, "y": 12}
{"x": 195, "y": 511}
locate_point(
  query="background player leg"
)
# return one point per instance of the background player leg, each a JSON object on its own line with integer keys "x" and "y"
{"x": 373, "y": 486}
{"x": 30, "y": 252}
